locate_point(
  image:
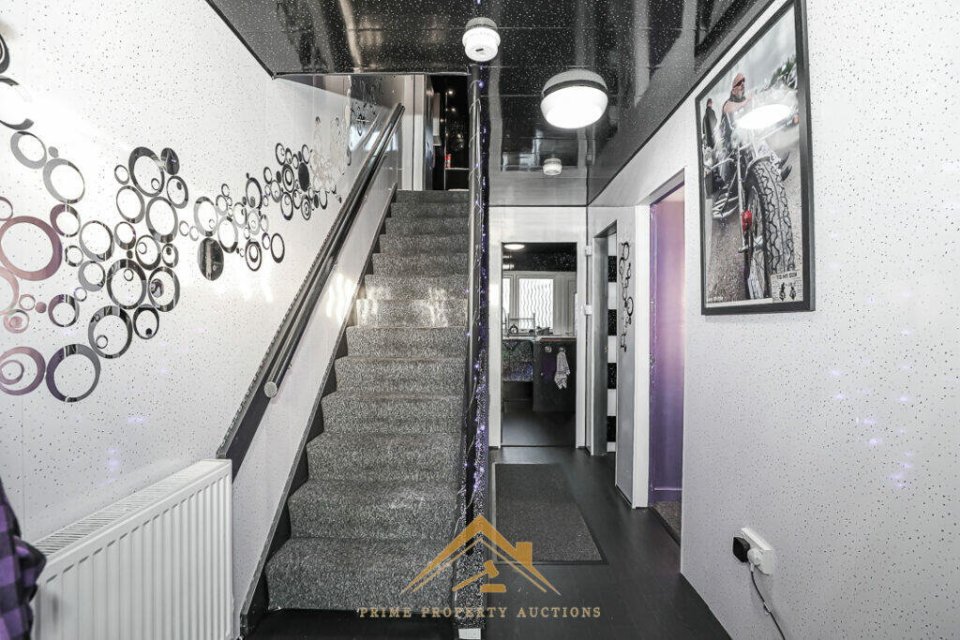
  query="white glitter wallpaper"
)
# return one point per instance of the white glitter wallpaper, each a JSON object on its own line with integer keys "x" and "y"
{"x": 161, "y": 199}
{"x": 833, "y": 433}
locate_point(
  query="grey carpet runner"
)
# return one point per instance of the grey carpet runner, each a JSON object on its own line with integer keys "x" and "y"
{"x": 533, "y": 503}
{"x": 381, "y": 497}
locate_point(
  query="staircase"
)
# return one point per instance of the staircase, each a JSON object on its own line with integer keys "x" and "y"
{"x": 381, "y": 498}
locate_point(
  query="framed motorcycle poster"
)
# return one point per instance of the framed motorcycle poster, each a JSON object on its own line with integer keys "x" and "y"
{"x": 756, "y": 204}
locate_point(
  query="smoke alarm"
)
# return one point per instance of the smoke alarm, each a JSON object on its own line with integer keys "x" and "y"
{"x": 481, "y": 40}
{"x": 552, "y": 166}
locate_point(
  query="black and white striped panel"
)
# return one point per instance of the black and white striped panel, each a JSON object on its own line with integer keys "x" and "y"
{"x": 612, "y": 344}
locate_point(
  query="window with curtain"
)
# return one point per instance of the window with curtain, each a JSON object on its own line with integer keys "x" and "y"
{"x": 505, "y": 301}
{"x": 535, "y": 300}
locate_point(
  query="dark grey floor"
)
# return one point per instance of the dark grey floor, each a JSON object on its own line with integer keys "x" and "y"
{"x": 640, "y": 591}
{"x": 313, "y": 625}
{"x": 521, "y": 427}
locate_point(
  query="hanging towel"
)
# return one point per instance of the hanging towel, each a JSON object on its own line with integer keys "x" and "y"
{"x": 20, "y": 567}
{"x": 563, "y": 370}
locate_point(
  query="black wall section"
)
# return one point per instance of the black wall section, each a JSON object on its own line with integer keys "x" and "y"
{"x": 560, "y": 256}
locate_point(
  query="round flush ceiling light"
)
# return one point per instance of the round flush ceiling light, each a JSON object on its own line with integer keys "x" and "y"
{"x": 552, "y": 166}
{"x": 574, "y": 99}
{"x": 514, "y": 246}
{"x": 481, "y": 40}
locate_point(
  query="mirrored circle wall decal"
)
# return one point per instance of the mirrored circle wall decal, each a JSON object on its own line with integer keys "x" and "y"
{"x": 116, "y": 270}
{"x": 21, "y": 370}
{"x": 81, "y": 380}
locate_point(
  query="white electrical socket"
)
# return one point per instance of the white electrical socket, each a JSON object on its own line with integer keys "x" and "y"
{"x": 761, "y": 554}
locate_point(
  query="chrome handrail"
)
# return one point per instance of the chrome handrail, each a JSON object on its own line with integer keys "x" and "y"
{"x": 276, "y": 362}
{"x": 328, "y": 255}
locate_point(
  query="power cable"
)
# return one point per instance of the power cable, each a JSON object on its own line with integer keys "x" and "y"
{"x": 770, "y": 613}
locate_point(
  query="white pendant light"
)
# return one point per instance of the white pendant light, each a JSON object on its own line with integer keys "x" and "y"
{"x": 481, "y": 40}
{"x": 514, "y": 246}
{"x": 552, "y": 166}
{"x": 574, "y": 99}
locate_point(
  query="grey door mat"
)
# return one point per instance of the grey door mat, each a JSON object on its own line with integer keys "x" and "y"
{"x": 533, "y": 503}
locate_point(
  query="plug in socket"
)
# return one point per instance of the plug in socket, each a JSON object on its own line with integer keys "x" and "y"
{"x": 761, "y": 554}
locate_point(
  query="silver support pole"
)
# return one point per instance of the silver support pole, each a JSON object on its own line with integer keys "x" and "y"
{"x": 475, "y": 195}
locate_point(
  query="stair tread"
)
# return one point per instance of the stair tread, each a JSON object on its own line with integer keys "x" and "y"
{"x": 410, "y": 255}
{"x": 410, "y": 195}
{"x": 374, "y": 359}
{"x": 391, "y": 277}
{"x": 434, "y": 237}
{"x": 361, "y": 394}
{"x": 381, "y": 439}
{"x": 385, "y": 494}
{"x": 420, "y": 313}
{"x": 420, "y": 221}
{"x": 415, "y": 302}
{"x": 433, "y": 226}
{"x": 419, "y": 254}
{"x": 362, "y": 329}
{"x": 355, "y": 554}
{"x": 387, "y": 465}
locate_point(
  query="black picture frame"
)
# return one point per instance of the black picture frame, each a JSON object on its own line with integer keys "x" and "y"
{"x": 805, "y": 166}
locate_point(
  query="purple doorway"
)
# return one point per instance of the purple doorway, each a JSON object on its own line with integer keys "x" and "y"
{"x": 666, "y": 358}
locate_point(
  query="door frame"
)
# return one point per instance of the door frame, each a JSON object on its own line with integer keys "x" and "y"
{"x": 641, "y": 272}
{"x": 598, "y": 342}
{"x": 530, "y": 225}
{"x": 651, "y": 336}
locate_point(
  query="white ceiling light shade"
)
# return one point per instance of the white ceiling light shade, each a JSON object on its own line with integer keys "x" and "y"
{"x": 574, "y": 99}
{"x": 514, "y": 246}
{"x": 481, "y": 40}
{"x": 552, "y": 166}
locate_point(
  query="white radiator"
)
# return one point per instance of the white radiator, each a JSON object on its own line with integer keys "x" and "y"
{"x": 154, "y": 566}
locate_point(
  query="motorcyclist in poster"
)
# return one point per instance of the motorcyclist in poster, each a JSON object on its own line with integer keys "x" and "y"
{"x": 752, "y": 197}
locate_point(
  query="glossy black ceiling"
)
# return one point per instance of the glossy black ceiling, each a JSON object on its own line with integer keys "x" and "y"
{"x": 650, "y": 52}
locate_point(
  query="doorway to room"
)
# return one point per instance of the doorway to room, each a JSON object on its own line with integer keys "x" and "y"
{"x": 667, "y": 340}
{"x": 539, "y": 286}
{"x": 612, "y": 268}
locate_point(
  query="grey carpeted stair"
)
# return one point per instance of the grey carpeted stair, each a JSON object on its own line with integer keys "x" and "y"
{"x": 412, "y": 313}
{"x": 407, "y": 210}
{"x": 355, "y": 509}
{"x": 428, "y": 197}
{"x": 426, "y": 288}
{"x": 358, "y": 412}
{"x": 420, "y": 264}
{"x": 401, "y": 375}
{"x": 383, "y": 456}
{"x": 444, "y": 226}
{"x": 458, "y": 243}
{"x": 394, "y": 342}
{"x": 347, "y": 573}
{"x": 381, "y": 497}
